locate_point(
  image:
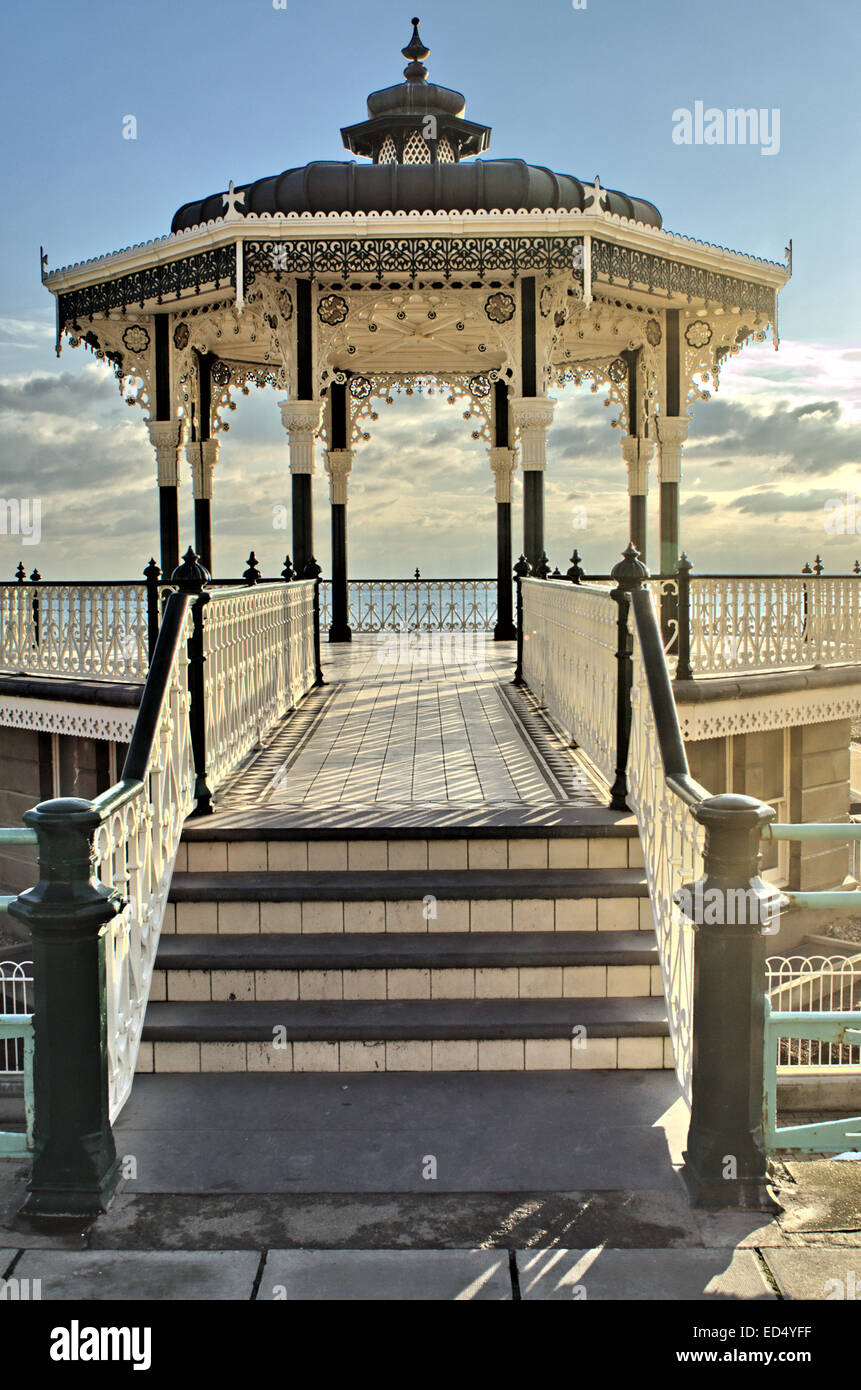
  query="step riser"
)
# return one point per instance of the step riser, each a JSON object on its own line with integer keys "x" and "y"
{"x": 416, "y": 915}
{"x": 280, "y": 856}
{"x": 524, "y": 982}
{"x": 533, "y": 1054}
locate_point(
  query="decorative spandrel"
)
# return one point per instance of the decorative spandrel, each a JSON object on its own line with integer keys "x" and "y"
{"x": 366, "y": 392}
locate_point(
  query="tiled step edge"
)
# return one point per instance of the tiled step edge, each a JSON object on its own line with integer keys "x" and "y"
{"x": 406, "y": 1020}
{"x": 382, "y": 951}
{"x": 399, "y": 886}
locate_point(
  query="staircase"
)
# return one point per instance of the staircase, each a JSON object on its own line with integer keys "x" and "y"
{"x": 405, "y": 950}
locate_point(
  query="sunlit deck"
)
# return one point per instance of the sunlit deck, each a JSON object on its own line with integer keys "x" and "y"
{"x": 429, "y": 732}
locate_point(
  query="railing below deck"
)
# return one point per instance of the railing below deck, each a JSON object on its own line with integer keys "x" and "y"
{"x": 428, "y": 605}
{"x": 750, "y": 623}
{"x": 92, "y": 631}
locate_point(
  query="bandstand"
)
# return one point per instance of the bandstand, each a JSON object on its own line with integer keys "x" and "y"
{"x": 398, "y": 868}
{"x": 417, "y": 267}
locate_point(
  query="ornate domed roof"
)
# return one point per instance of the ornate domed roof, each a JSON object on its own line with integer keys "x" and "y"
{"x": 416, "y": 135}
{"x": 471, "y": 187}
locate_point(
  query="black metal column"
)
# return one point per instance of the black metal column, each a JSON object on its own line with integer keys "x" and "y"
{"x": 302, "y": 487}
{"x": 203, "y": 505}
{"x": 637, "y": 522}
{"x": 168, "y": 507}
{"x": 303, "y": 521}
{"x": 168, "y": 495}
{"x": 504, "y": 630}
{"x": 669, "y": 527}
{"x": 533, "y": 516}
{"x": 533, "y": 479}
{"x": 339, "y": 628}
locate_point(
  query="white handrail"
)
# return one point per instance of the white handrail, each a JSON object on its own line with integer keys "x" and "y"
{"x": 258, "y": 645}
{"x": 672, "y": 843}
{"x": 135, "y": 849}
{"x": 569, "y": 662}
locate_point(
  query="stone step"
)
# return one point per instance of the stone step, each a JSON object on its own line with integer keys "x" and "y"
{"x": 379, "y": 966}
{"x": 410, "y": 901}
{"x": 406, "y": 1035}
{"x": 596, "y": 846}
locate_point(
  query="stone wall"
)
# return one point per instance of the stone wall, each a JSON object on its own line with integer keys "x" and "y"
{"x": 25, "y": 779}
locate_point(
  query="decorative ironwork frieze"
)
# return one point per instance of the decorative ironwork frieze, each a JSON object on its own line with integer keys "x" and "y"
{"x": 626, "y": 265}
{"x": 167, "y": 280}
{"x": 410, "y": 256}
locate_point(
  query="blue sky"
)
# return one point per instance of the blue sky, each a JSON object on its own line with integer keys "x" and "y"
{"x": 239, "y": 89}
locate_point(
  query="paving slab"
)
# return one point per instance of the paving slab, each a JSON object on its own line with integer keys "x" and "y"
{"x": 487, "y": 1132}
{"x": 107, "y": 1275}
{"x": 667, "y": 1275}
{"x": 821, "y": 1195}
{"x": 817, "y": 1273}
{"x": 737, "y": 1229}
{"x": 395, "y": 1275}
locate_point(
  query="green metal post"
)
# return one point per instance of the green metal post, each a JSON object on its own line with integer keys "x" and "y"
{"x": 725, "y": 1159}
{"x": 75, "y": 1166}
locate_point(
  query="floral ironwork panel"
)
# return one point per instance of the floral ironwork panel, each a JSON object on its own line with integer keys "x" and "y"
{"x": 653, "y": 332}
{"x": 698, "y": 334}
{"x": 500, "y": 308}
{"x": 332, "y": 309}
{"x": 136, "y": 338}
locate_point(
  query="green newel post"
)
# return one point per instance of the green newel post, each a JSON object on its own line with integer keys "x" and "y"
{"x": 731, "y": 909}
{"x": 75, "y": 1166}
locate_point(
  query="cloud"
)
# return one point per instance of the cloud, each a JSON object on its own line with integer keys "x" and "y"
{"x": 778, "y": 440}
{"x": 64, "y": 392}
{"x": 769, "y": 502}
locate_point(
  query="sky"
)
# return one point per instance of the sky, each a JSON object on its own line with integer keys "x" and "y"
{"x": 244, "y": 88}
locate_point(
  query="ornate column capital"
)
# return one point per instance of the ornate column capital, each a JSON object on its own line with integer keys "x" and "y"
{"x": 672, "y": 433}
{"x": 339, "y": 464}
{"x": 532, "y": 416}
{"x": 203, "y": 456}
{"x": 301, "y": 420}
{"x": 638, "y": 454}
{"x": 166, "y": 438}
{"x": 503, "y": 462}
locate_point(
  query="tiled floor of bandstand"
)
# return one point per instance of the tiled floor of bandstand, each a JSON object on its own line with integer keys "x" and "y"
{"x": 426, "y": 730}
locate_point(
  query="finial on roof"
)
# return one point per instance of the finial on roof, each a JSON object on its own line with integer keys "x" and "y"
{"x": 415, "y": 51}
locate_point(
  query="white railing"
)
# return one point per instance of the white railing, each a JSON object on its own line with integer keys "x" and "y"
{"x": 569, "y": 662}
{"x": 98, "y": 631}
{"x": 773, "y": 622}
{"x": 135, "y": 849}
{"x": 805, "y": 984}
{"x": 16, "y": 997}
{"x": 429, "y": 605}
{"x": 672, "y": 841}
{"x": 258, "y": 645}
